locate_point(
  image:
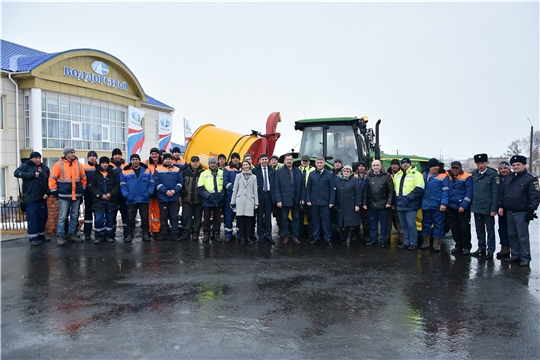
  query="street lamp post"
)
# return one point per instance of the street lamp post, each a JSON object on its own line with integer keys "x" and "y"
{"x": 531, "y": 144}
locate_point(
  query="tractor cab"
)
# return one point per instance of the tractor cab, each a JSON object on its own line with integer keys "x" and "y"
{"x": 345, "y": 138}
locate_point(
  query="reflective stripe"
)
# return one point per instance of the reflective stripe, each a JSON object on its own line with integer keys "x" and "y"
{"x": 87, "y": 221}
{"x": 467, "y": 199}
{"x": 446, "y": 188}
{"x": 99, "y": 229}
{"x": 54, "y": 176}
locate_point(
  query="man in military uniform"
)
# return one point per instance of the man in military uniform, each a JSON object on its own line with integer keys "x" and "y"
{"x": 520, "y": 197}
{"x": 484, "y": 205}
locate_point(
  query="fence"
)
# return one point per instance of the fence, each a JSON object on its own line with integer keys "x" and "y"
{"x": 11, "y": 217}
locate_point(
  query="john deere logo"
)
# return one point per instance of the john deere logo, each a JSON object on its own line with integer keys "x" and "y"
{"x": 100, "y": 68}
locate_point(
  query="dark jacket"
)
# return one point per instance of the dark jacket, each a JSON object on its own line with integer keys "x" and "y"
{"x": 379, "y": 190}
{"x": 258, "y": 172}
{"x": 485, "y": 197}
{"x": 347, "y": 197}
{"x": 96, "y": 188}
{"x": 320, "y": 189}
{"x": 190, "y": 194}
{"x": 135, "y": 189}
{"x": 287, "y": 186}
{"x": 520, "y": 192}
{"x": 33, "y": 188}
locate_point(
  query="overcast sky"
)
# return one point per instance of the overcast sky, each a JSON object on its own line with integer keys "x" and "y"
{"x": 445, "y": 78}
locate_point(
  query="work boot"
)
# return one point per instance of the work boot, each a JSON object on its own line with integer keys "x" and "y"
{"x": 61, "y": 240}
{"x": 425, "y": 242}
{"x": 145, "y": 237}
{"x": 215, "y": 237}
{"x": 109, "y": 238}
{"x": 349, "y": 236}
{"x": 74, "y": 238}
{"x": 206, "y": 237}
{"x": 128, "y": 238}
{"x": 401, "y": 238}
{"x": 478, "y": 253}
{"x": 437, "y": 245}
{"x": 177, "y": 237}
{"x": 88, "y": 237}
{"x": 185, "y": 236}
{"x": 504, "y": 253}
{"x": 195, "y": 236}
{"x": 98, "y": 239}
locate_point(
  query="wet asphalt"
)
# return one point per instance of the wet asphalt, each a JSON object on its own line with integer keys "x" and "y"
{"x": 181, "y": 300}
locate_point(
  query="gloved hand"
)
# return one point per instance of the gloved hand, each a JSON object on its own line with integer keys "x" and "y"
{"x": 531, "y": 215}
{"x": 233, "y": 206}
{"x": 54, "y": 194}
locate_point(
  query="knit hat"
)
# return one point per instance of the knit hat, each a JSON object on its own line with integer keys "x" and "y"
{"x": 247, "y": 156}
{"x": 212, "y": 159}
{"x": 338, "y": 160}
{"x": 518, "y": 158}
{"x": 104, "y": 159}
{"x": 116, "y": 151}
{"x": 362, "y": 163}
{"x": 222, "y": 156}
{"x": 405, "y": 160}
{"x": 505, "y": 164}
{"x": 91, "y": 153}
{"x": 162, "y": 152}
{"x": 235, "y": 155}
{"x": 68, "y": 149}
{"x": 154, "y": 150}
{"x": 134, "y": 156}
{"x": 34, "y": 154}
{"x": 175, "y": 149}
{"x": 167, "y": 156}
{"x": 433, "y": 162}
{"x": 305, "y": 157}
{"x": 274, "y": 157}
{"x": 394, "y": 162}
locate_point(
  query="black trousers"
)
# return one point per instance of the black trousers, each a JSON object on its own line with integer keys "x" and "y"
{"x": 132, "y": 213}
{"x": 212, "y": 220}
{"x": 244, "y": 226}
{"x": 168, "y": 211}
{"x": 88, "y": 214}
{"x": 460, "y": 224}
{"x": 191, "y": 217}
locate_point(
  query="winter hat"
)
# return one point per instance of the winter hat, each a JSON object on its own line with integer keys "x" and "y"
{"x": 134, "y": 156}
{"x": 433, "y": 162}
{"x": 405, "y": 160}
{"x": 394, "y": 162}
{"x": 175, "y": 149}
{"x": 167, "y": 156}
{"x": 222, "y": 156}
{"x": 480, "y": 158}
{"x": 104, "y": 159}
{"x": 34, "y": 154}
{"x": 212, "y": 159}
{"x": 116, "y": 151}
{"x": 505, "y": 164}
{"x": 68, "y": 149}
{"x": 91, "y": 153}
{"x": 154, "y": 150}
{"x": 235, "y": 155}
{"x": 518, "y": 158}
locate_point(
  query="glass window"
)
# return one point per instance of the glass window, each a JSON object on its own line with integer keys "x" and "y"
{"x": 2, "y": 115}
{"x": 52, "y": 105}
{"x": 43, "y": 104}
{"x": 53, "y": 128}
{"x": 96, "y": 132}
{"x": 3, "y": 183}
{"x": 76, "y": 130}
{"x": 105, "y": 133}
{"x": 105, "y": 113}
{"x": 64, "y": 107}
{"x": 44, "y": 127}
{"x": 86, "y": 131}
{"x": 75, "y": 108}
{"x": 96, "y": 112}
{"x": 86, "y": 110}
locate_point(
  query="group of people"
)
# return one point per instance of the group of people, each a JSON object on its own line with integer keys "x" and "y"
{"x": 305, "y": 200}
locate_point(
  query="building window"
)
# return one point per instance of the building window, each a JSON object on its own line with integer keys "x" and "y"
{"x": 3, "y": 183}
{"x": 82, "y": 126}
{"x": 2, "y": 114}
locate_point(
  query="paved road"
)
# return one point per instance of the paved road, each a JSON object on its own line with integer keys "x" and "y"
{"x": 193, "y": 300}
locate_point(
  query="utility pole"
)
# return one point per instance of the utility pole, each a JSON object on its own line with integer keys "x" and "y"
{"x": 531, "y": 144}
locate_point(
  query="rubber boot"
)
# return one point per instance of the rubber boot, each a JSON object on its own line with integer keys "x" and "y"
{"x": 349, "y": 236}
{"x": 401, "y": 238}
{"x": 437, "y": 244}
{"x": 425, "y": 242}
{"x": 504, "y": 253}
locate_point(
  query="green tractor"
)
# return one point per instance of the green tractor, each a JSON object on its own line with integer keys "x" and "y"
{"x": 346, "y": 138}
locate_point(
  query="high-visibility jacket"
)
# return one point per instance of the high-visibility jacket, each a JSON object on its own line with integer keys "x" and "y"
{"x": 305, "y": 170}
{"x": 68, "y": 179}
{"x": 435, "y": 191}
{"x": 180, "y": 163}
{"x": 213, "y": 194}
{"x": 168, "y": 178}
{"x": 409, "y": 186}
{"x": 461, "y": 190}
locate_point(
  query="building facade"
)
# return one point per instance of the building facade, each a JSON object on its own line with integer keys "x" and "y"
{"x": 76, "y": 98}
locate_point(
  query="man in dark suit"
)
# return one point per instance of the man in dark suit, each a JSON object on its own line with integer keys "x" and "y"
{"x": 265, "y": 184}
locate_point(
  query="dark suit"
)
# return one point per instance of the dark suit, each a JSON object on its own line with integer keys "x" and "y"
{"x": 264, "y": 212}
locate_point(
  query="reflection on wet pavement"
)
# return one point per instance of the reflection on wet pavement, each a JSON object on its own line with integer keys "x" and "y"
{"x": 207, "y": 300}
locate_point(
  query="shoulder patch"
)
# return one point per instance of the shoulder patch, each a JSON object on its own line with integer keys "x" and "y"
{"x": 497, "y": 181}
{"x": 536, "y": 186}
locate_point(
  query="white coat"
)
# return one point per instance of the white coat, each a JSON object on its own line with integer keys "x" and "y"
{"x": 245, "y": 195}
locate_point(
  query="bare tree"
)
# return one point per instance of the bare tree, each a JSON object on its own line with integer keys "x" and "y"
{"x": 515, "y": 148}
{"x": 521, "y": 147}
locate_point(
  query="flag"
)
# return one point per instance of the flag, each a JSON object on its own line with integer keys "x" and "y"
{"x": 165, "y": 130}
{"x": 187, "y": 131}
{"x": 135, "y": 130}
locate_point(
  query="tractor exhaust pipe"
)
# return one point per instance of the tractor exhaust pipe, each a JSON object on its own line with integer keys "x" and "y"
{"x": 377, "y": 147}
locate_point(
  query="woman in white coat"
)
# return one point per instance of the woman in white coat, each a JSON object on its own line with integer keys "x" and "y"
{"x": 245, "y": 201}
